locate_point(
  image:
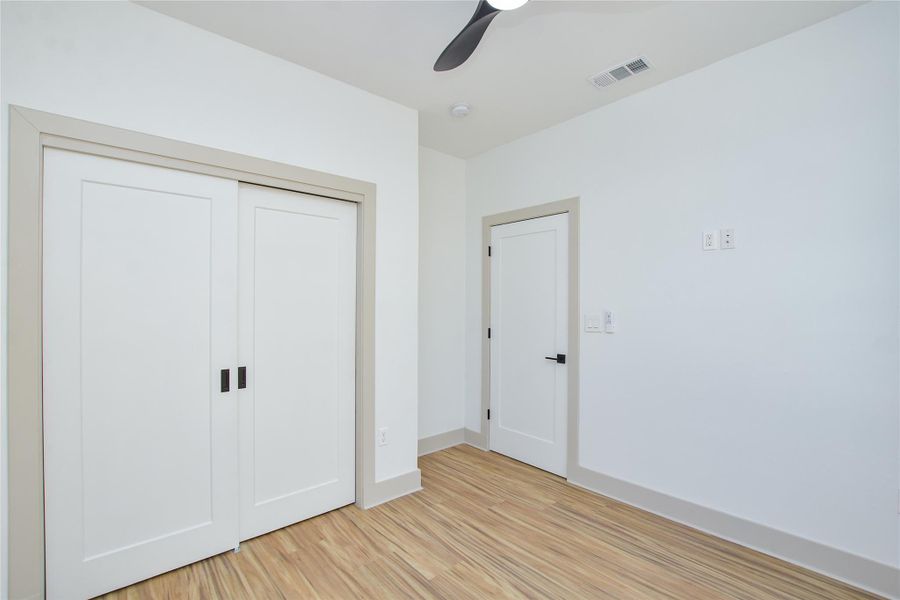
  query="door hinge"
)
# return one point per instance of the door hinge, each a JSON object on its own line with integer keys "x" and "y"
{"x": 489, "y": 333}
{"x": 489, "y": 250}
{"x": 489, "y": 414}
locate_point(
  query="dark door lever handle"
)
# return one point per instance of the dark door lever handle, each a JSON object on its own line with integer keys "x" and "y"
{"x": 560, "y": 358}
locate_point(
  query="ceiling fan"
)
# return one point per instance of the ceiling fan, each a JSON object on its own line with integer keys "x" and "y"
{"x": 463, "y": 45}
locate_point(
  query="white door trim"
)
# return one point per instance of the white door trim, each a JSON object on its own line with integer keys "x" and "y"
{"x": 573, "y": 359}
{"x": 30, "y": 131}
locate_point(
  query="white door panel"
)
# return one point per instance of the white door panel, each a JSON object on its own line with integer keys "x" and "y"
{"x": 140, "y": 315}
{"x": 529, "y": 304}
{"x": 298, "y": 342}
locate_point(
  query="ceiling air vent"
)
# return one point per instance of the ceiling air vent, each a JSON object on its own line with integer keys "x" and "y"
{"x": 637, "y": 65}
{"x": 610, "y": 76}
{"x": 603, "y": 79}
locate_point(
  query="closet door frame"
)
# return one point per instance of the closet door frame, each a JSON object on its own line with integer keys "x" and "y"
{"x": 30, "y": 131}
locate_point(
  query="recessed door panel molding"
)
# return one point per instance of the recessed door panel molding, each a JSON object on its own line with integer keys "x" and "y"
{"x": 297, "y": 342}
{"x": 529, "y": 341}
{"x": 139, "y": 313}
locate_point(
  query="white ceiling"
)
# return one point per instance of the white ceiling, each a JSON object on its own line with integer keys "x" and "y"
{"x": 531, "y": 67}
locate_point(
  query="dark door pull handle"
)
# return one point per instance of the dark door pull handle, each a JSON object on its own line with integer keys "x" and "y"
{"x": 225, "y": 380}
{"x": 560, "y": 358}
{"x": 242, "y": 377}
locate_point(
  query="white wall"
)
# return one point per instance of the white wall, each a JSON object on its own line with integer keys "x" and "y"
{"x": 760, "y": 381}
{"x": 442, "y": 300}
{"x": 124, "y": 65}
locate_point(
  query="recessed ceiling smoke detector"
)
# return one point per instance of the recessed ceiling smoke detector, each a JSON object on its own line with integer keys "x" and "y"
{"x": 460, "y": 110}
{"x": 618, "y": 73}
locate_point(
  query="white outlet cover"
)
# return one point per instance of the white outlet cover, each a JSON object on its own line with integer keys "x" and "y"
{"x": 710, "y": 240}
{"x": 382, "y": 436}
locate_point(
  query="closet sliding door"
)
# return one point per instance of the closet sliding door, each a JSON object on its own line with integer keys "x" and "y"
{"x": 297, "y": 343}
{"x": 140, "y": 316}
{"x": 199, "y": 359}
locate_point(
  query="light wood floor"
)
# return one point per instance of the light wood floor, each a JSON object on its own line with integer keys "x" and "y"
{"x": 489, "y": 527}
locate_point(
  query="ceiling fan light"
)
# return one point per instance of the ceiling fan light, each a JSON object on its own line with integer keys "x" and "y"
{"x": 506, "y": 4}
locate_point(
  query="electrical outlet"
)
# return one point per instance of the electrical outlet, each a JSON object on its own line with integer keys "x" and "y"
{"x": 382, "y": 436}
{"x": 727, "y": 238}
{"x": 710, "y": 240}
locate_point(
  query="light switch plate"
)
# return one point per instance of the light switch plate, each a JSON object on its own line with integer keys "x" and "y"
{"x": 593, "y": 323}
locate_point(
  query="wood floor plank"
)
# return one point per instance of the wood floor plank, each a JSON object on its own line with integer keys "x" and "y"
{"x": 486, "y": 526}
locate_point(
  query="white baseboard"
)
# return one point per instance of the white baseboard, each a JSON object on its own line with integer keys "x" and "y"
{"x": 448, "y": 439}
{"x": 856, "y": 570}
{"x": 475, "y": 438}
{"x": 395, "y": 487}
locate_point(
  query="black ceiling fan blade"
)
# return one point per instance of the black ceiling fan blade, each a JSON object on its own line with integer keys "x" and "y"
{"x": 465, "y": 42}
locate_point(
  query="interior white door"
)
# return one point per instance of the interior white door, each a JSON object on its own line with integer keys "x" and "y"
{"x": 298, "y": 344}
{"x": 139, "y": 316}
{"x": 529, "y": 314}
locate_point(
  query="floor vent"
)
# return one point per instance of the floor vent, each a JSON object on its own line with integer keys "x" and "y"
{"x": 610, "y": 76}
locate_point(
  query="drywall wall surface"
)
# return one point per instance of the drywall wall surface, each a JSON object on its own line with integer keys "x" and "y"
{"x": 759, "y": 381}
{"x": 442, "y": 301}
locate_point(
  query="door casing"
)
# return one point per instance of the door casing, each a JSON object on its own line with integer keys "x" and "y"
{"x": 30, "y": 131}
{"x": 573, "y": 358}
